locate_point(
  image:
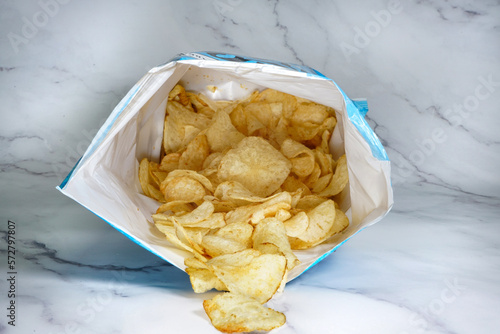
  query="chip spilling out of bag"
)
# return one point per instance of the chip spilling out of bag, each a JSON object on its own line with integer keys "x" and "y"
{"x": 242, "y": 185}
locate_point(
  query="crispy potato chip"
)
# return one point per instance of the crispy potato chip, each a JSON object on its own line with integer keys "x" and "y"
{"x": 171, "y": 235}
{"x": 203, "y": 280}
{"x": 321, "y": 219}
{"x": 321, "y": 183}
{"x": 283, "y": 215}
{"x": 183, "y": 188}
{"x": 302, "y": 158}
{"x": 340, "y": 224}
{"x": 243, "y": 258}
{"x": 220, "y": 206}
{"x": 144, "y": 176}
{"x": 191, "y": 174}
{"x": 339, "y": 179}
{"x": 255, "y": 212}
{"x": 170, "y": 162}
{"x": 234, "y": 191}
{"x": 221, "y": 134}
{"x": 292, "y": 184}
{"x": 288, "y": 102}
{"x": 313, "y": 178}
{"x": 175, "y": 207}
{"x": 296, "y": 225}
{"x": 256, "y": 164}
{"x": 216, "y": 245}
{"x": 309, "y": 202}
{"x": 259, "y": 279}
{"x": 155, "y": 193}
{"x": 190, "y": 236}
{"x": 309, "y": 114}
{"x": 239, "y": 231}
{"x": 181, "y": 126}
{"x": 235, "y": 313}
{"x": 178, "y": 93}
{"x": 271, "y": 231}
{"x": 195, "y": 154}
{"x": 192, "y": 262}
{"x": 239, "y": 119}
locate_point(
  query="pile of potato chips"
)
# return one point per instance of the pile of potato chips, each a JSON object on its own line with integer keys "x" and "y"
{"x": 243, "y": 184}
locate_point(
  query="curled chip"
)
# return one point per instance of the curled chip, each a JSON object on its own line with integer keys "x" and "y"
{"x": 256, "y": 164}
{"x": 235, "y": 313}
{"x": 241, "y": 186}
{"x": 258, "y": 275}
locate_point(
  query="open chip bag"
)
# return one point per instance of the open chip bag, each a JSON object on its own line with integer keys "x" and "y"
{"x": 106, "y": 178}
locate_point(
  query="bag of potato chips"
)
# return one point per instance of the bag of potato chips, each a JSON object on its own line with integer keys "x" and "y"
{"x": 106, "y": 180}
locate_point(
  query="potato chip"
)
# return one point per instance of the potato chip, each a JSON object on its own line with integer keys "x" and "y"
{"x": 309, "y": 114}
{"x": 191, "y": 174}
{"x": 203, "y": 280}
{"x": 309, "y": 202}
{"x": 216, "y": 245}
{"x": 221, "y": 134}
{"x": 195, "y": 154}
{"x": 170, "y": 162}
{"x": 256, "y": 164}
{"x": 235, "y": 192}
{"x": 183, "y": 189}
{"x": 171, "y": 235}
{"x": 255, "y": 212}
{"x": 271, "y": 231}
{"x": 302, "y": 158}
{"x": 340, "y": 224}
{"x": 144, "y": 176}
{"x": 239, "y": 119}
{"x": 339, "y": 179}
{"x": 175, "y": 207}
{"x": 239, "y": 231}
{"x": 178, "y": 93}
{"x": 283, "y": 215}
{"x": 181, "y": 126}
{"x": 296, "y": 225}
{"x": 258, "y": 279}
{"x": 235, "y": 313}
{"x": 288, "y": 102}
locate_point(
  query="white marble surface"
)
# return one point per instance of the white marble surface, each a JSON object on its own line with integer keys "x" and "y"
{"x": 431, "y": 74}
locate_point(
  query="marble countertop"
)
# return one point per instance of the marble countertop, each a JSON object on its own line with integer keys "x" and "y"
{"x": 431, "y": 74}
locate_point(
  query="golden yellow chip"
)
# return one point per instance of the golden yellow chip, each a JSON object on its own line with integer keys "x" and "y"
{"x": 271, "y": 231}
{"x": 221, "y": 134}
{"x": 259, "y": 279}
{"x": 239, "y": 231}
{"x": 256, "y": 164}
{"x": 216, "y": 245}
{"x": 195, "y": 154}
{"x": 181, "y": 126}
{"x": 339, "y": 179}
{"x": 296, "y": 225}
{"x": 236, "y": 313}
{"x": 203, "y": 280}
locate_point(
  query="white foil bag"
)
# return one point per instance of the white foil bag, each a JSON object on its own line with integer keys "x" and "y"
{"x": 105, "y": 179}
